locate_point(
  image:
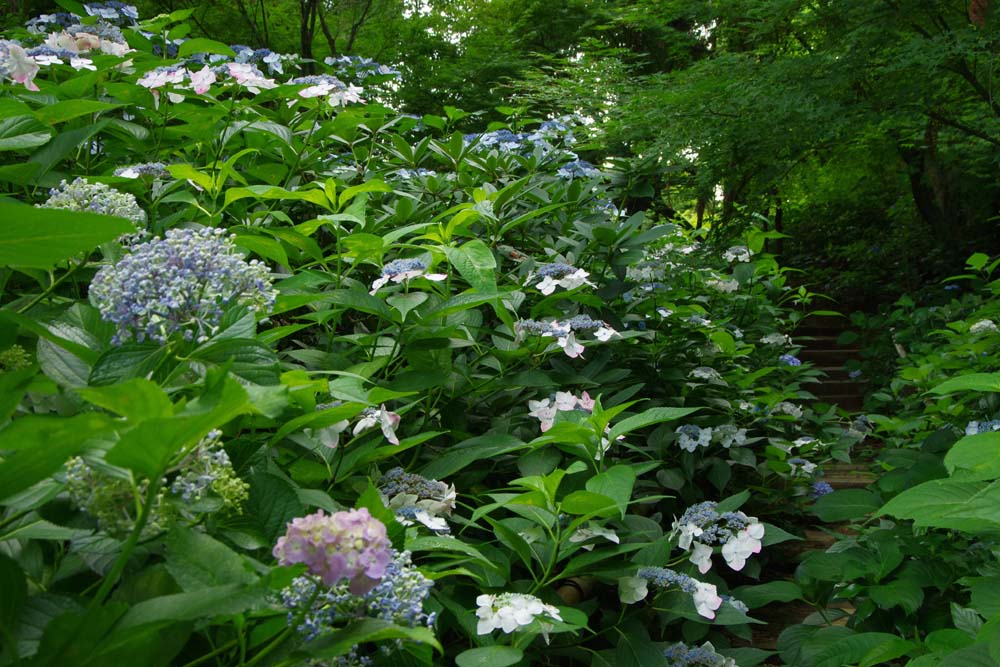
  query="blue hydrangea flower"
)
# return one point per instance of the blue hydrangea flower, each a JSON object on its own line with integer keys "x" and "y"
{"x": 180, "y": 284}
{"x": 789, "y": 360}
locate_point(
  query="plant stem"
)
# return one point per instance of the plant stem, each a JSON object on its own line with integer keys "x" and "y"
{"x": 116, "y": 570}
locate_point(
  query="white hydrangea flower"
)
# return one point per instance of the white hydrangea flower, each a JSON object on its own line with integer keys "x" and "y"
{"x": 737, "y": 253}
{"x": 728, "y": 435}
{"x": 724, "y": 286}
{"x": 776, "y": 339}
{"x": 786, "y": 408}
{"x": 743, "y": 545}
{"x": 509, "y": 611}
{"x": 707, "y": 373}
{"x": 983, "y": 326}
{"x": 701, "y": 556}
{"x": 706, "y": 599}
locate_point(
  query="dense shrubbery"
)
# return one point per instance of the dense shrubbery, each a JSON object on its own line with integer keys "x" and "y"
{"x": 290, "y": 378}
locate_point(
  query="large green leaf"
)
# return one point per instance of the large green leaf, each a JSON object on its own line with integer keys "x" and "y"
{"x": 465, "y": 453}
{"x": 969, "y": 382}
{"x": 975, "y": 458}
{"x": 476, "y": 263}
{"x": 845, "y": 505}
{"x": 41, "y": 237}
{"x": 20, "y": 132}
{"x": 147, "y": 448}
{"x": 489, "y": 656}
{"x": 367, "y": 630}
{"x": 39, "y": 446}
{"x": 197, "y": 560}
{"x": 615, "y": 483}
{"x": 203, "y": 603}
{"x": 648, "y": 418}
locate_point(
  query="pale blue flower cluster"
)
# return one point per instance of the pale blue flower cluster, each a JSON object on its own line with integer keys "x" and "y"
{"x": 976, "y": 427}
{"x": 206, "y": 471}
{"x": 154, "y": 169}
{"x": 820, "y": 489}
{"x": 180, "y": 284}
{"x": 578, "y": 169}
{"x": 682, "y": 655}
{"x": 398, "y": 598}
{"x": 45, "y": 23}
{"x": 716, "y": 528}
{"x": 117, "y": 13}
{"x": 789, "y": 360}
{"x": 665, "y": 578}
{"x": 359, "y": 67}
{"x": 95, "y": 198}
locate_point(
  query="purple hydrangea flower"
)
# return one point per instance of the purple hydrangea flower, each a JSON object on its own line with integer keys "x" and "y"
{"x": 820, "y": 489}
{"x": 789, "y": 360}
{"x": 350, "y": 545}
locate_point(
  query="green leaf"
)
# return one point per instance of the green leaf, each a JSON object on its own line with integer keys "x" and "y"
{"x": 273, "y": 192}
{"x": 20, "y": 132}
{"x": 970, "y": 382}
{"x": 273, "y": 503}
{"x": 135, "y": 400}
{"x": 647, "y": 418}
{"x": 123, "y": 362}
{"x": 475, "y": 262}
{"x": 69, "y": 109}
{"x": 196, "y": 561}
{"x": 13, "y": 387}
{"x": 845, "y": 504}
{"x": 589, "y": 503}
{"x": 39, "y": 446}
{"x": 975, "y": 458}
{"x": 405, "y": 302}
{"x": 840, "y": 651}
{"x": 244, "y": 357}
{"x": 929, "y": 502}
{"x": 202, "y": 45}
{"x": 438, "y": 545}
{"x": 467, "y": 452}
{"x": 14, "y": 585}
{"x": 367, "y": 630}
{"x": 148, "y": 448}
{"x": 886, "y": 651}
{"x": 41, "y": 237}
{"x": 203, "y": 603}
{"x": 773, "y": 591}
{"x": 615, "y": 483}
{"x": 489, "y": 656}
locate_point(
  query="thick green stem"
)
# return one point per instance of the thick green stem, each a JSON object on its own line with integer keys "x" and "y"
{"x": 133, "y": 539}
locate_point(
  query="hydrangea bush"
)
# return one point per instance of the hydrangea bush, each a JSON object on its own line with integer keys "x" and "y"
{"x": 377, "y": 389}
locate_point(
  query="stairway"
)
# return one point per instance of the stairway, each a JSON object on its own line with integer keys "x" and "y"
{"x": 818, "y": 334}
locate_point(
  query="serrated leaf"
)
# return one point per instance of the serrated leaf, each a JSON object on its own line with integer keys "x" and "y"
{"x": 648, "y": 418}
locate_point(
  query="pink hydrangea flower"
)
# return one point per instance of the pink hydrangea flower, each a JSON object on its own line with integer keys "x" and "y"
{"x": 350, "y": 545}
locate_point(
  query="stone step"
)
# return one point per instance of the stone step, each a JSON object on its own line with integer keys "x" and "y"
{"x": 848, "y": 475}
{"x": 835, "y": 387}
{"x": 828, "y": 356}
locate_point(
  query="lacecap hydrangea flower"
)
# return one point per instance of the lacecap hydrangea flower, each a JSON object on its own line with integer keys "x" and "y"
{"x": 737, "y": 253}
{"x": 559, "y": 275}
{"x": 789, "y": 360}
{"x": 705, "y": 596}
{"x": 682, "y": 655}
{"x": 401, "y": 270}
{"x": 976, "y": 427}
{"x": 415, "y": 498}
{"x": 180, "y": 284}
{"x": 17, "y": 65}
{"x": 565, "y": 332}
{"x": 351, "y": 545}
{"x": 702, "y": 527}
{"x": 208, "y": 472}
{"x": 510, "y": 611}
